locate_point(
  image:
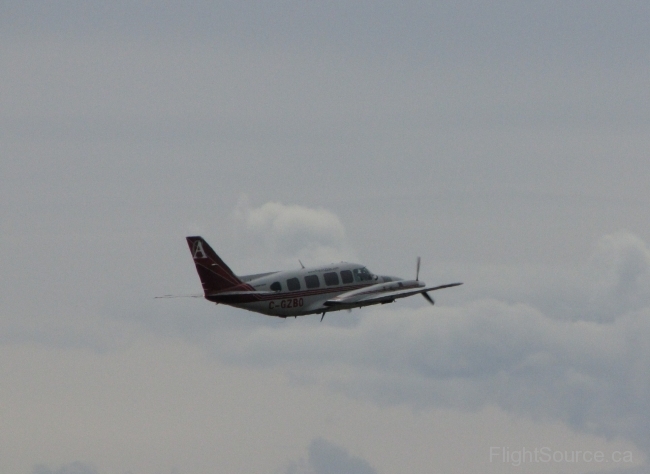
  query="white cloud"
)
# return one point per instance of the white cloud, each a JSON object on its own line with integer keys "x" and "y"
{"x": 590, "y": 373}
{"x": 619, "y": 274}
{"x": 284, "y": 233}
{"x": 614, "y": 282}
{"x": 328, "y": 458}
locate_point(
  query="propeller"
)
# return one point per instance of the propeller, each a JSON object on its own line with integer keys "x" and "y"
{"x": 428, "y": 298}
{"x": 417, "y": 278}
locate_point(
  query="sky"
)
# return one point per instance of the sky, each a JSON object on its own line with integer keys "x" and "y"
{"x": 505, "y": 143}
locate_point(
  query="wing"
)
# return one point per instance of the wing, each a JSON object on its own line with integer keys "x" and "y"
{"x": 380, "y": 294}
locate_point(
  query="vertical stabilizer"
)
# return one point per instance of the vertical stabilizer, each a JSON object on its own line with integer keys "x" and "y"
{"x": 215, "y": 275}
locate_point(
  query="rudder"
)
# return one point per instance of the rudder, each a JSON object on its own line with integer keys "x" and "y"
{"x": 215, "y": 275}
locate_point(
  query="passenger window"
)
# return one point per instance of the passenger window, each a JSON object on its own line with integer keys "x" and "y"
{"x": 275, "y": 286}
{"x": 331, "y": 278}
{"x": 346, "y": 276}
{"x": 293, "y": 284}
{"x": 312, "y": 281}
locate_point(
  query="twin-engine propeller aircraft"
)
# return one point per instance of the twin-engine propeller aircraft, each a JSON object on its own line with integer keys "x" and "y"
{"x": 299, "y": 292}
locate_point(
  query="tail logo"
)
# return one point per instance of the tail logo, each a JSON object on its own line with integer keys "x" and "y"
{"x": 197, "y": 250}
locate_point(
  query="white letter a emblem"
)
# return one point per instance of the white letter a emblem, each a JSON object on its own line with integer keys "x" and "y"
{"x": 198, "y": 250}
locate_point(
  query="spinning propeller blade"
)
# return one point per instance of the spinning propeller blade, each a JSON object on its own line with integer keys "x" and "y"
{"x": 417, "y": 278}
{"x": 428, "y": 298}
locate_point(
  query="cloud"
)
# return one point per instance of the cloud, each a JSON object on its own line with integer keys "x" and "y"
{"x": 620, "y": 275}
{"x": 290, "y": 232}
{"x": 486, "y": 352}
{"x": 588, "y": 372}
{"x": 614, "y": 282}
{"x": 328, "y": 458}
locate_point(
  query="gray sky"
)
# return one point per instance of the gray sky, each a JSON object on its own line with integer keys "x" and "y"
{"x": 507, "y": 144}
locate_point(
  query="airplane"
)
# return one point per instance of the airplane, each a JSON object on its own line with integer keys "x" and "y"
{"x": 316, "y": 290}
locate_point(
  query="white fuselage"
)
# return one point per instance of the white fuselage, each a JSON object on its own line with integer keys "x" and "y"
{"x": 304, "y": 291}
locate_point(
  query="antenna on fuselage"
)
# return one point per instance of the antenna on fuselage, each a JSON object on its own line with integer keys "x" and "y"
{"x": 301, "y": 263}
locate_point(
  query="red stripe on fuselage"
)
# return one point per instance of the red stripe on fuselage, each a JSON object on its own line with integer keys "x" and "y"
{"x": 248, "y": 298}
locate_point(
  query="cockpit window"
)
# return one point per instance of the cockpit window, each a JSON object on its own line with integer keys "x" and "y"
{"x": 276, "y": 286}
{"x": 293, "y": 284}
{"x": 362, "y": 274}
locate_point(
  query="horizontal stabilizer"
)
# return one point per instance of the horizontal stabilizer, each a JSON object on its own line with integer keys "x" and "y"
{"x": 247, "y": 278}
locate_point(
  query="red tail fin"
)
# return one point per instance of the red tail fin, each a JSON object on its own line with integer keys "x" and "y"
{"x": 215, "y": 275}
